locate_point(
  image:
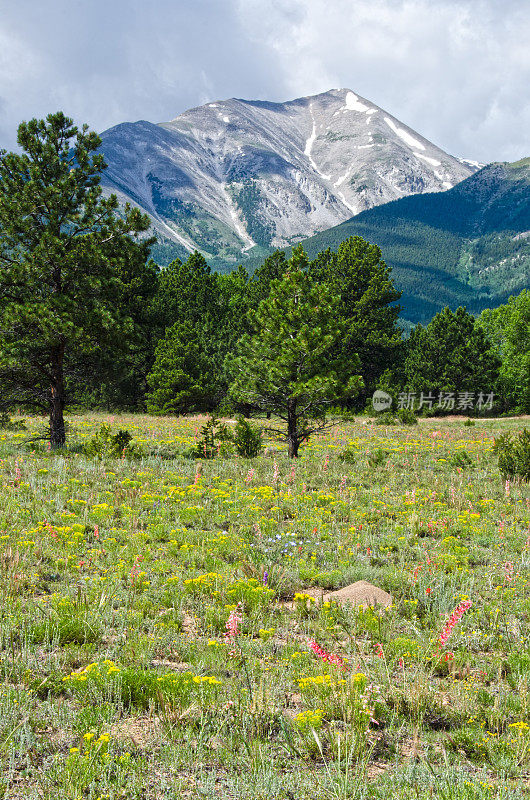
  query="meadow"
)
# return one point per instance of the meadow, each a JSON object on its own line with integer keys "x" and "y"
{"x": 163, "y": 633}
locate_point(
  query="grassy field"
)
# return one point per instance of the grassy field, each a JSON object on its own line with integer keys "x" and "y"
{"x": 118, "y": 578}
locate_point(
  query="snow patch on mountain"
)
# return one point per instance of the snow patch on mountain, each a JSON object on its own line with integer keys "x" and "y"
{"x": 309, "y": 147}
{"x": 354, "y": 104}
{"x": 432, "y": 161}
{"x": 404, "y": 135}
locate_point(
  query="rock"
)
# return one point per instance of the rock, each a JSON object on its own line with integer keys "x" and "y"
{"x": 360, "y": 593}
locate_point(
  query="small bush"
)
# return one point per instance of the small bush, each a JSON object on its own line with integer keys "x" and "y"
{"x": 461, "y": 459}
{"x": 385, "y": 418}
{"x": 406, "y": 416}
{"x": 336, "y": 412}
{"x": 8, "y": 424}
{"x": 514, "y": 455}
{"x": 248, "y": 439}
{"x": 378, "y": 457}
{"x": 105, "y": 444}
{"x": 403, "y": 416}
{"x": 215, "y": 436}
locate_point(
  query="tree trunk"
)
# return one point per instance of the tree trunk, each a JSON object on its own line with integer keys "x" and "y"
{"x": 292, "y": 429}
{"x": 57, "y": 400}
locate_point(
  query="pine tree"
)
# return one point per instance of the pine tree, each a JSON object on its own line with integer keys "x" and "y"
{"x": 357, "y": 275}
{"x": 451, "y": 354}
{"x": 182, "y": 378}
{"x": 289, "y": 364}
{"x": 61, "y": 242}
{"x": 273, "y": 268}
{"x": 187, "y": 292}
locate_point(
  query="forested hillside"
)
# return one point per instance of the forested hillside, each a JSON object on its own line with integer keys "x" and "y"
{"x": 467, "y": 246}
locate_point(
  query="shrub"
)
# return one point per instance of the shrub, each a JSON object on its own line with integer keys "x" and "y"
{"x": 406, "y": 416}
{"x": 105, "y": 444}
{"x": 378, "y": 457}
{"x": 349, "y": 456}
{"x": 248, "y": 439}
{"x": 461, "y": 459}
{"x": 403, "y": 416}
{"x": 514, "y": 455}
{"x": 385, "y": 418}
{"x": 8, "y": 424}
{"x": 337, "y": 412}
{"x": 214, "y": 439}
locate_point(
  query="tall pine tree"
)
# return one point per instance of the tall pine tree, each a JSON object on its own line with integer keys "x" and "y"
{"x": 290, "y": 365}
{"x": 359, "y": 277}
{"x": 61, "y": 246}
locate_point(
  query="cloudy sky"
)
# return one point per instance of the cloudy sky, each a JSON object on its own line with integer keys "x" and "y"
{"x": 457, "y": 71}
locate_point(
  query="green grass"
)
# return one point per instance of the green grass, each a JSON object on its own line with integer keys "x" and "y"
{"x": 117, "y": 578}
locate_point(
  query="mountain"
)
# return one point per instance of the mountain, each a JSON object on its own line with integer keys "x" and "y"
{"x": 238, "y": 175}
{"x": 466, "y": 246}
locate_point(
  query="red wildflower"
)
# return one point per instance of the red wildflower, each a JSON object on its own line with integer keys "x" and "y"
{"x": 454, "y": 618}
{"x": 331, "y": 658}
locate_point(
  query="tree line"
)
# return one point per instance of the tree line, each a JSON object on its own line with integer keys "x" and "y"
{"x": 88, "y": 319}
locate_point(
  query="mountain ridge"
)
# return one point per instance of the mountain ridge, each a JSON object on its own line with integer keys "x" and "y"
{"x": 237, "y": 175}
{"x": 467, "y": 246}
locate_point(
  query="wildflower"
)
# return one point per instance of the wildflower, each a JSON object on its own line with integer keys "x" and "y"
{"x": 454, "y": 617}
{"x": 234, "y": 620}
{"x": 135, "y": 570}
{"x": 331, "y": 658}
{"x": 379, "y": 650}
{"x": 428, "y": 590}
{"x": 265, "y": 578}
{"x": 250, "y": 475}
{"x": 276, "y": 473}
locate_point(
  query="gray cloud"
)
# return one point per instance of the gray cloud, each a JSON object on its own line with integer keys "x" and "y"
{"x": 455, "y": 70}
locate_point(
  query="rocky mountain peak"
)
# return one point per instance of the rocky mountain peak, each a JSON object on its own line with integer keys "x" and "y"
{"x": 233, "y": 175}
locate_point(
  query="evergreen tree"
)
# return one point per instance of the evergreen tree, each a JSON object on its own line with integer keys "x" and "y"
{"x": 61, "y": 246}
{"x": 117, "y": 378}
{"x": 451, "y": 354}
{"x": 187, "y": 292}
{"x": 290, "y": 365}
{"x": 273, "y": 268}
{"x": 508, "y": 327}
{"x": 182, "y": 378}
{"x": 357, "y": 275}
